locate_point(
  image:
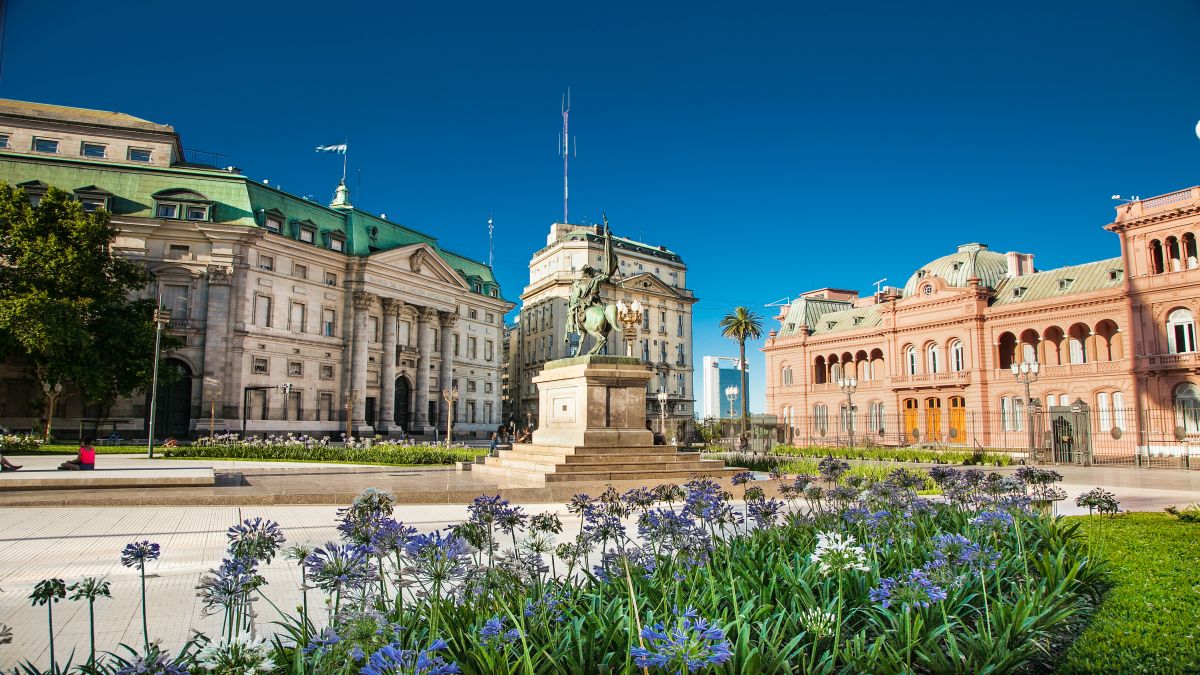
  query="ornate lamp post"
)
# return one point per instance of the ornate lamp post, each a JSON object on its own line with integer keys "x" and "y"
{"x": 731, "y": 393}
{"x": 212, "y": 413}
{"x": 348, "y": 396}
{"x": 451, "y": 395}
{"x": 662, "y": 412}
{"x": 162, "y": 317}
{"x": 849, "y": 385}
{"x": 1026, "y": 374}
{"x": 630, "y": 317}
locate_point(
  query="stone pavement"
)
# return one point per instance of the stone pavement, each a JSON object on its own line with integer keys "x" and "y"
{"x": 75, "y": 541}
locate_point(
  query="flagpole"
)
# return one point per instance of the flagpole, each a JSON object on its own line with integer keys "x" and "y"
{"x": 345, "y": 157}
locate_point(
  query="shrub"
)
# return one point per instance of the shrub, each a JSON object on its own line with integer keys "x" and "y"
{"x": 1099, "y": 500}
{"x": 1189, "y": 514}
{"x": 392, "y": 454}
{"x": 922, "y": 455}
{"x": 12, "y": 444}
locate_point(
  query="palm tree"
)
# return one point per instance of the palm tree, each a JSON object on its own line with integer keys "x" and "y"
{"x": 742, "y": 324}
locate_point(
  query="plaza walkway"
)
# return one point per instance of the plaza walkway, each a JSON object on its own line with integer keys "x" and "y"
{"x": 74, "y": 541}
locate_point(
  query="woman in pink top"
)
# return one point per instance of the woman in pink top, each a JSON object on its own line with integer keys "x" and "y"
{"x": 86, "y": 460}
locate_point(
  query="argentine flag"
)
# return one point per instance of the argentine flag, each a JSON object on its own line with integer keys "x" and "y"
{"x": 339, "y": 148}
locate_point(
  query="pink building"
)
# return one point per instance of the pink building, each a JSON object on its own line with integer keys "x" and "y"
{"x": 933, "y": 360}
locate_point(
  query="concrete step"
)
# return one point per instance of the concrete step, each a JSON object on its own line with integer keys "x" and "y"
{"x": 594, "y": 449}
{"x": 603, "y": 476}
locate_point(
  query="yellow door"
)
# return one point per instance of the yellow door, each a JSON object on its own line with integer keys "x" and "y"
{"x": 912, "y": 431}
{"x": 958, "y": 420}
{"x": 933, "y": 419}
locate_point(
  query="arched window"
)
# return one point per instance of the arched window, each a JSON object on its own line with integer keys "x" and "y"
{"x": 1181, "y": 332}
{"x": 910, "y": 360}
{"x": 1118, "y": 401}
{"x": 819, "y": 370}
{"x": 1012, "y": 413}
{"x": 786, "y": 376}
{"x": 1187, "y": 407}
{"x": 875, "y": 418}
{"x": 1076, "y": 345}
{"x": 958, "y": 357}
{"x": 932, "y": 357}
{"x": 820, "y": 419}
{"x": 1156, "y": 257}
{"x": 1104, "y": 410}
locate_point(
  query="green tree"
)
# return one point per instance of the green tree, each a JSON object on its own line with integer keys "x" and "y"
{"x": 742, "y": 324}
{"x": 66, "y": 305}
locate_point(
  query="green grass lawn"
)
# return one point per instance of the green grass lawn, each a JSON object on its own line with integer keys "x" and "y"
{"x": 73, "y": 448}
{"x": 1149, "y": 621}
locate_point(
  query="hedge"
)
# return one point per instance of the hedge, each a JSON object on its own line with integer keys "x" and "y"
{"x": 383, "y": 453}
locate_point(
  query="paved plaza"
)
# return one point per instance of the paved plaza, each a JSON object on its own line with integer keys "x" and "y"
{"x": 74, "y": 541}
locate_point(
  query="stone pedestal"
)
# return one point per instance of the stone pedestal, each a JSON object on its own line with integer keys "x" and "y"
{"x": 595, "y": 401}
{"x": 592, "y": 428}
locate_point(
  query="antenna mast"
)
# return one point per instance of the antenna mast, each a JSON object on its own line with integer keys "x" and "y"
{"x": 565, "y": 145}
{"x": 491, "y": 246}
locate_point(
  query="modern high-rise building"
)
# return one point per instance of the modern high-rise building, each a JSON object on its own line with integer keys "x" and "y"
{"x": 653, "y": 275}
{"x": 294, "y": 314}
{"x": 717, "y": 378}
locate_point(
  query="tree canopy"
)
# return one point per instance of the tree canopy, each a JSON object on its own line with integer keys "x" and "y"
{"x": 67, "y": 306}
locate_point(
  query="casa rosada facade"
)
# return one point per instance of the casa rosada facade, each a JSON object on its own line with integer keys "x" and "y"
{"x": 933, "y": 360}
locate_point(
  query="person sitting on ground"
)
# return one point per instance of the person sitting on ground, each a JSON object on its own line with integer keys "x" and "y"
{"x": 526, "y": 435}
{"x": 659, "y": 439}
{"x": 6, "y": 465}
{"x": 499, "y": 437}
{"x": 86, "y": 461}
{"x": 170, "y": 443}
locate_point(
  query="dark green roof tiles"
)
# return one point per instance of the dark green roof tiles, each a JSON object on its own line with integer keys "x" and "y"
{"x": 1071, "y": 280}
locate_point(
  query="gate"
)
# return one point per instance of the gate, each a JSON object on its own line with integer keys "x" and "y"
{"x": 1065, "y": 433}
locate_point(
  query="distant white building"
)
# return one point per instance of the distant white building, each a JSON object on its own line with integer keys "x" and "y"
{"x": 716, "y": 378}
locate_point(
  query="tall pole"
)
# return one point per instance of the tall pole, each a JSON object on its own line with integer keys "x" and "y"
{"x": 1026, "y": 374}
{"x": 566, "y": 148}
{"x": 161, "y": 316}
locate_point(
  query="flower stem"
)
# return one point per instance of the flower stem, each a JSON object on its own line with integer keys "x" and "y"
{"x": 145, "y": 624}
{"x": 50, "y": 624}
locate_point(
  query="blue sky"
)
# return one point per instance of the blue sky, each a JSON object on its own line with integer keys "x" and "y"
{"x": 777, "y": 147}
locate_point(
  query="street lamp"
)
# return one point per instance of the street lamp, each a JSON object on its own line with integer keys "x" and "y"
{"x": 451, "y": 395}
{"x": 849, "y": 385}
{"x": 162, "y": 317}
{"x": 1027, "y": 373}
{"x": 52, "y": 393}
{"x": 630, "y": 317}
{"x": 731, "y": 393}
{"x": 662, "y": 412}
{"x": 348, "y": 396}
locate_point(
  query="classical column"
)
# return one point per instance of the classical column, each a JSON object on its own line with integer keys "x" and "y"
{"x": 218, "y": 385}
{"x": 425, "y": 319}
{"x": 446, "y": 375}
{"x": 358, "y": 358}
{"x": 387, "y": 372}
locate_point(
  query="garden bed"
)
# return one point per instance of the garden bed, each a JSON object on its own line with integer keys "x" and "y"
{"x": 914, "y": 455}
{"x": 385, "y": 454}
{"x": 870, "y": 578}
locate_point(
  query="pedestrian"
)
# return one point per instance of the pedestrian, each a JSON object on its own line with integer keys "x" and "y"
{"x": 86, "y": 461}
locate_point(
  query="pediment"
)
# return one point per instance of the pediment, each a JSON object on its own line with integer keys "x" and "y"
{"x": 419, "y": 259}
{"x": 180, "y": 194}
{"x": 646, "y": 282}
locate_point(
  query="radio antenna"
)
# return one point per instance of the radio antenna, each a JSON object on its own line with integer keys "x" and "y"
{"x": 566, "y": 147}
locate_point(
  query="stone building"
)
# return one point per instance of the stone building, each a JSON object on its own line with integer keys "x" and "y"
{"x": 366, "y": 319}
{"x": 653, "y": 275}
{"x": 934, "y": 360}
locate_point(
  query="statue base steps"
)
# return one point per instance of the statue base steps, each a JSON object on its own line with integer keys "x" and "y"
{"x": 556, "y": 464}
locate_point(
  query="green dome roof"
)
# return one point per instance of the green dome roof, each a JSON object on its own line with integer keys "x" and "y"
{"x": 970, "y": 260}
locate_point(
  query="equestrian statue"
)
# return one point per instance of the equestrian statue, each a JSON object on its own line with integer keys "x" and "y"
{"x": 587, "y": 314}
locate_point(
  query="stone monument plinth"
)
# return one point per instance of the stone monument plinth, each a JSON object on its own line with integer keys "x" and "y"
{"x": 592, "y": 427}
{"x": 597, "y": 401}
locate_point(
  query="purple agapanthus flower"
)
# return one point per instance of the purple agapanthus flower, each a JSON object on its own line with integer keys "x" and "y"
{"x": 255, "y": 539}
{"x": 914, "y": 590}
{"x": 138, "y": 553}
{"x": 996, "y": 521}
{"x": 339, "y": 566}
{"x": 742, "y": 477}
{"x": 436, "y": 558}
{"x": 765, "y": 512}
{"x": 393, "y": 660}
{"x": 323, "y": 642}
{"x": 493, "y": 633}
{"x": 691, "y": 645}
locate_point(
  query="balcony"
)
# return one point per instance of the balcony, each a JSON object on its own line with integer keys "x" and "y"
{"x": 1170, "y": 361}
{"x": 958, "y": 378}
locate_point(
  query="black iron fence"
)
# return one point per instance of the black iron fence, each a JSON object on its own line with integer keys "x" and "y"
{"x": 1074, "y": 434}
